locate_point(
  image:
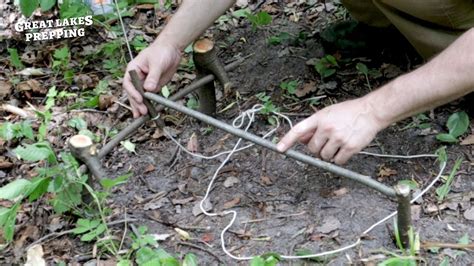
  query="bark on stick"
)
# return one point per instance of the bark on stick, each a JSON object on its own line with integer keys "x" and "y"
{"x": 84, "y": 150}
{"x": 404, "y": 212}
{"x": 207, "y": 62}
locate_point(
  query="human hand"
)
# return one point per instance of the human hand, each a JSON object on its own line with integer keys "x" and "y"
{"x": 157, "y": 65}
{"x": 336, "y": 132}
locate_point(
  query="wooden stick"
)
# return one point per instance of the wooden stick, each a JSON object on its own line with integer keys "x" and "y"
{"x": 207, "y": 62}
{"x": 428, "y": 245}
{"x": 83, "y": 149}
{"x": 404, "y": 212}
{"x": 132, "y": 127}
{"x": 138, "y": 84}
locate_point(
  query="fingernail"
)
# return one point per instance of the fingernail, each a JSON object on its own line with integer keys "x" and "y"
{"x": 148, "y": 86}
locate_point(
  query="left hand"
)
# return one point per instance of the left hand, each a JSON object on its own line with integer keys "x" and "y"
{"x": 336, "y": 132}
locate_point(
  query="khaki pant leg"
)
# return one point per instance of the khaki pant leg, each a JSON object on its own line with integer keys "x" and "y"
{"x": 430, "y": 25}
{"x": 366, "y": 12}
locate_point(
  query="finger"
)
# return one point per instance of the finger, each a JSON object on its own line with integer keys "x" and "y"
{"x": 317, "y": 142}
{"x": 130, "y": 89}
{"x": 152, "y": 79}
{"x": 329, "y": 149}
{"x": 306, "y": 138}
{"x": 135, "y": 110}
{"x": 343, "y": 156}
{"x": 301, "y": 129}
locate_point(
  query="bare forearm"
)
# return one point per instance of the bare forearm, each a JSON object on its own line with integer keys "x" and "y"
{"x": 445, "y": 78}
{"x": 191, "y": 20}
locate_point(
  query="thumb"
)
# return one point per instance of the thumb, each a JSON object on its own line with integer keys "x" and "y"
{"x": 300, "y": 131}
{"x": 152, "y": 78}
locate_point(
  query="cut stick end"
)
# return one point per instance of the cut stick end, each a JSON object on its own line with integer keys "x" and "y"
{"x": 203, "y": 46}
{"x": 80, "y": 141}
{"x": 402, "y": 190}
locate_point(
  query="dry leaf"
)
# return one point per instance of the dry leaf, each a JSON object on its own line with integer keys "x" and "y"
{"x": 266, "y": 180}
{"x": 306, "y": 88}
{"x": 330, "y": 223}
{"x": 218, "y": 144}
{"x": 340, "y": 192}
{"x": 158, "y": 134}
{"x": 230, "y": 181}
{"x": 207, "y": 205}
{"x": 34, "y": 256}
{"x": 5, "y": 89}
{"x": 469, "y": 214}
{"x": 232, "y": 203}
{"x": 469, "y": 140}
{"x": 193, "y": 145}
{"x": 182, "y": 201}
{"x": 160, "y": 237}
{"x": 385, "y": 171}
{"x": 4, "y": 163}
{"x": 207, "y": 237}
{"x": 105, "y": 101}
{"x": 31, "y": 85}
{"x": 149, "y": 168}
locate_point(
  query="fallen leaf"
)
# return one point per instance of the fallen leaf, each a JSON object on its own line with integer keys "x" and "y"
{"x": 150, "y": 168}
{"x": 183, "y": 234}
{"x": 232, "y": 203}
{"x": 330, "y": 223}
{"x": 158, "y": 133}
{"x": 5, "y": 89}
{"x": 230, "y": 181}
{"x": 193, "y": 145}
{"x": 340, "y": 192}
{"x": 218, "y": 145}
{"x": 469, "y": 140}
{"x": 128, "y": 145}
{"x": 105, "y": 101}
{"x": 469, "y": 214}
{"x": 30, "y": 71}
{"x": 207, "y": 237}
{"x": 385, "y": 172}
{"x": 207, "y": 205}
{"x": 31, "y": 85}
{"x": 266, "y": 180}
{"x": 34, "y": 256}
{"x": 305, "y": 89}
{"x": 4, "y": 164}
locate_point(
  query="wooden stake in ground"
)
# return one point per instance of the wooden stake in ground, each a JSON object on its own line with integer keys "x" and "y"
{"x": 83, "y": 149}
{"x": 404, "y": 212}
{"x": 207, "y": 62}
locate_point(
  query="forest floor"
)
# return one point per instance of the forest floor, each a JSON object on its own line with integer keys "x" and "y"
{"x": 283, "y": 206}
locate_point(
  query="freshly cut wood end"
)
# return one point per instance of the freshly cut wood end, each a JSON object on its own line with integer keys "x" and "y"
{"x": 203, "y": 46}
{"x": 402, "y": 189}
{"x": 80, "y": 141}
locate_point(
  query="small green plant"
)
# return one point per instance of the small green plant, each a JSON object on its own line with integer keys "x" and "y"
{"x": 420, "y": 121}
{"x": 192, "y": 103}
{"x": 15, "y": 58}
{"x": 90, "y": 98}
{"x": 407, "y": 257}
{"x": 458, "y": 124}
{"x": 362, "y": 68}
{"x": 326, "y": 66}
{"x": 268, "y": 107}
{"x": 61, "y": 59}
{"x": 139, "y": 43}
{"x": 290, "y": 86}
{"x": 282, "y": 37}
{"x": 443, "y": 190}
{"x": 19, "y": 130}
{"x": 269, "y": 259}
{"x": 258, "y": 20}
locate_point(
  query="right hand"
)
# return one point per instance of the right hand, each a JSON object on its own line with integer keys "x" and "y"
{"x": 157, "y": 65}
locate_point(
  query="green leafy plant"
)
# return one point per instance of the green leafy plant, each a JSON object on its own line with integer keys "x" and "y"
{"x": 289, "y": 86}
{"x": 362, "y": 68}
{"x": 458, "y": 123}
{"x": 420, "y": 121}
{"x": 192, "y": 103}
{"x": 444, "y": 189}
{"x": 61, "y": 59}
{"x": 326, "y": 66}
{"x": 90, "y": 98}
{"x": 139, "y": 43}
{"x": 407, "y": 257}
{"x": 258, "y": 20}
{"x": 19, "y": 130}
{"x": 282, "y": 37}
{"x": 15, "y": 58}
{"x": 270, "y": 259}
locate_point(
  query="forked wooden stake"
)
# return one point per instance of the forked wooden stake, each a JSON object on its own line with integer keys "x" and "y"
{"x": 83, "y": 149}
{"x": 404, "y": 212}
{"x": 207, "y": 62}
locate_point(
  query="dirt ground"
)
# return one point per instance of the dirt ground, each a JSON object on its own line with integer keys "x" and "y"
{"x": 284, "y": 205}
{"x": 270, "y": 186}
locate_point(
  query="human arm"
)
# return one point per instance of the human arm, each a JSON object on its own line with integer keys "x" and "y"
{"x": 158, "y": 62}
{"x": 339, "y": 131}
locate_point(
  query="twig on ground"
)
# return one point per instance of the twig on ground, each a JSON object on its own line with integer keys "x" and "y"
{"x": 202, "y": 249}
{"x": 276, "y": 217}
{"x": 428, "y": 245}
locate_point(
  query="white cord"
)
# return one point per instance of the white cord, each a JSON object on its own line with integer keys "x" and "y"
{"x": 239, "y": 123}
